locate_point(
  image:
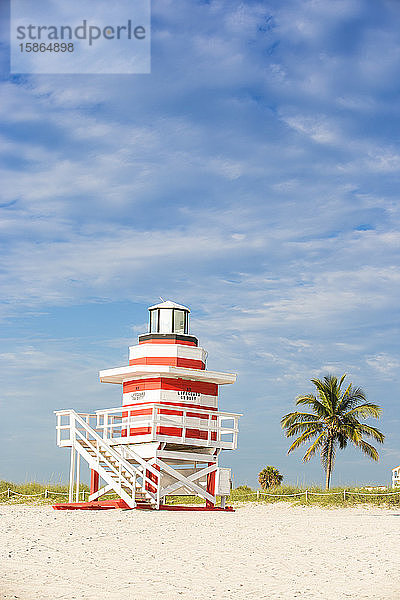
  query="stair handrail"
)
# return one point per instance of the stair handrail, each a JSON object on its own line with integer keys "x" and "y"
{"x": 127, "y": 465}
{"x": 124, "y": 462}
{"x": 121, "y": 481}
{"x": 135, "y": 456}
{"x": 116, "y": 470}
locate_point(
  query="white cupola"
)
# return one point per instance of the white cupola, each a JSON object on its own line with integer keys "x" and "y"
{"x": 169, "y": 318}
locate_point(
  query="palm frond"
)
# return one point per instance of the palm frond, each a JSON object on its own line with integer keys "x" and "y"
{"x": 307, "y": 435}
{"x": 365, "y": 410}
{"x": 345, "y": 400}
{"x": 368, "y": 450}
{"x": 312, "y": 401}
{"x": 328, "y": 392}
{"x": 370, "y": 431}
{"x": 303, "y": 427}
{"x": 343, "y": 377}
{"x": 294, "y": 417}
{"x": 357, "y": 393}
{"x": 342, "y": 441}
{"x": 351, "y": 432}
{"x": 314, "y": 447}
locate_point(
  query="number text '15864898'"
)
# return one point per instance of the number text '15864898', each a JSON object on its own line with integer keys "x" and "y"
{"x": 56, "y": 47}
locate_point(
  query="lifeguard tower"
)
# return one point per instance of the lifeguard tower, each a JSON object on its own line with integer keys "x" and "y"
{"x": 167, "y": 436}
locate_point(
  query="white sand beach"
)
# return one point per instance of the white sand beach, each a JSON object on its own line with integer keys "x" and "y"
{"x": 275, "y": 552}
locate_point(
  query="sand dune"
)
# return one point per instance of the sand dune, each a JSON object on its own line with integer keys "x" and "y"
{"x": 275, "y": 552}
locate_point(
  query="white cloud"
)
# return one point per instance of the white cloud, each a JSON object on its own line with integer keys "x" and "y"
{"x": 385, "y": 364}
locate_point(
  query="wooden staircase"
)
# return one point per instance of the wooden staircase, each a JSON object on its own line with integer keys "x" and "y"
{"x": 130, "y": 480}
{"x": 118, "y": 475}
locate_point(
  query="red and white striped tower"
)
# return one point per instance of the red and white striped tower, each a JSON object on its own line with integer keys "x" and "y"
{"x": 169, "y": 427}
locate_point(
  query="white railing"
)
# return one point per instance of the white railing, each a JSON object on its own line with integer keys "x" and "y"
{"x": 210, "y": 429}
{"x": 82, "y": 436}
{"x": 65, "y": 425}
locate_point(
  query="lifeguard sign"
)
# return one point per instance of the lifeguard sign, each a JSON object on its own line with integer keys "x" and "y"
{"x": 167, "y": 436}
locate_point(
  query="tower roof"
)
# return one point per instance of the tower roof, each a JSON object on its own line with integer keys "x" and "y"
{"x": 169, "y": 304}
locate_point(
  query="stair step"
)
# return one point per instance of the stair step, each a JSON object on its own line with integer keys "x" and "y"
{"x": 110, "y": 464}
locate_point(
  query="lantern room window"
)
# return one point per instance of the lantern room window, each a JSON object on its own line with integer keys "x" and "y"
{"x": 179, "y": 323}
{"x": 169, "y": 320}
{"x": 165, "y": 320}
{"x": 153, "y": 321}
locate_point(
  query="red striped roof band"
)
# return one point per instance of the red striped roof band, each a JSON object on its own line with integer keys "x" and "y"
{"x": 197, "y": 434}
{"x": 178, "y": 404}
{"x": 172, "y": 361}
{"x": 167, "y": 383}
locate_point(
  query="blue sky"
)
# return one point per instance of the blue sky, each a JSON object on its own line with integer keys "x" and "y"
{"x": 253, "y": 176}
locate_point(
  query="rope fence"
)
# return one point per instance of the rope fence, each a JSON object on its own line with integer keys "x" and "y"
{"x": 307, "y": 493}
{"x": 46, "y": 493}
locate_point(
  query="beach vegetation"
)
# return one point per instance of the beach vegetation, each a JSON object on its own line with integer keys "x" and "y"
{"x": 243, "y": 488}
{"x": 34, "y": 493}
{"x": 269, "y": 477}
{"x": 333, "y": 422}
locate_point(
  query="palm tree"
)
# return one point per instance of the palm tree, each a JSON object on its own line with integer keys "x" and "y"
{"x": 333, "y": 422}
{"x": 269, "y": 477}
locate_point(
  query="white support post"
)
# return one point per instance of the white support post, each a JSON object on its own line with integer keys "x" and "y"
{"x": 235, "y": 435}
{"x": 184, "y": 417}
{"x": 87, "y": 419}
{"x": 71, "y": 474}
{"x": 158, "y": 491}
{"x": 144, "y": 479}
{"x": 58, "y": 423}
{"x": 154, "y": 414}
{"x": 78, "y": 470}
{"x": 105, "y": 426}
{"x": 223, "y": 498}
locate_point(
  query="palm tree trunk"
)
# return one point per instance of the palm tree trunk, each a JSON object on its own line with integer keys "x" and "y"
{"x": 329, "y": 464}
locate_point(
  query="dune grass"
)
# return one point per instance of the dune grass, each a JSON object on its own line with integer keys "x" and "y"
{"x": 34, "y": 493}
{"x": 338, "y": 496}
{"x": 296, "y": 495}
